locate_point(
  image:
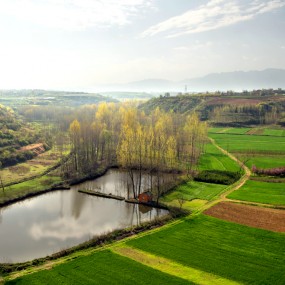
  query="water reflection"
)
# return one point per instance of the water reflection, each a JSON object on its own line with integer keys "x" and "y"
{"x": 117, "y": 182}
{"x": 46, "y": 224}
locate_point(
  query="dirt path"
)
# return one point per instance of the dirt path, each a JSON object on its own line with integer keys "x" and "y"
{"x": 233, "y": 187}
{"x": 239, "y": 184}
{"x": 170, "y": 267}
{"x": 244, "y": 178}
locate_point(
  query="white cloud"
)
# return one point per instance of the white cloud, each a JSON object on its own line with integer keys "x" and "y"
{"x": 74, "y": 14}
{"x": 214, "y": 15}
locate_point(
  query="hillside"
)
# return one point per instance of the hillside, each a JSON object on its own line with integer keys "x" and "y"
{"x": 227, "y": 108}
{"x": 14, "y": 134}
{"x": 238, "y": 80}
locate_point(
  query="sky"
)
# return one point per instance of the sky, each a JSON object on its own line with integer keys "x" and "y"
{"x": 80, "y": 44}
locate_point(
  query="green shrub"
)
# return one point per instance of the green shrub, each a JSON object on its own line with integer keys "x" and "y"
{"x": 218, "y": 177}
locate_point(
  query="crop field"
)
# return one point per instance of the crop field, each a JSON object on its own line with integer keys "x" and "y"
{"x": 250, "y": 144}
{"x": 233, "y": 251}
{"x": 253, "y": 216}
{"x": 259, "y": 150}
{"x": 194, "y": 193}
{"x": 261, "y": 161}
{"x": 261, "y": 192}
{"x": 103, "y": 267}
{"x": 274, "y": 132}
{"x": 214, "y": 159}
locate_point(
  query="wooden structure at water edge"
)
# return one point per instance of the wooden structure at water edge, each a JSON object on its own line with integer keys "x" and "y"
{"x": 100, "y": 194}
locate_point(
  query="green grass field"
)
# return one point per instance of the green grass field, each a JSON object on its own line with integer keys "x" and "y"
{"x": 262, "y": 151}
{"x": 261, "y": 161}
{"x": 261, "y": 192}
{"x": 236, "y": 252}
{"x": 214, "y": 159}
{"x": 193, "y": 190}
{"x": 100, "y": 268}
{"x": 250, "y": 144}
{"x": 274, "y": 132}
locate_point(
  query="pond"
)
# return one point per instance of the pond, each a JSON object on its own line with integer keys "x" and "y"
{"x": 51, "y": 222}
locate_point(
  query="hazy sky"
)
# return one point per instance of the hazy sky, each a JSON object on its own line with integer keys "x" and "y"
{"x": 78, "y": 44}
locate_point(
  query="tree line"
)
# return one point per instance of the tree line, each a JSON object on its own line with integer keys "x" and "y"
{"x": 122, "y": 135}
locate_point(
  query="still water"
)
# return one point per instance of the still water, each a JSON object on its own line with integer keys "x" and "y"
{"x": 46, "y": 224}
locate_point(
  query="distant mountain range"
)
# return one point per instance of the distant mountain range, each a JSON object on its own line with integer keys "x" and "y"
{"x": 237, "y": 80}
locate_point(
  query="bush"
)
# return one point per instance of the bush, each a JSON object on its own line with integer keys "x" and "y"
{"x": 278, "y": 171}
{"x": 218, "y": 177}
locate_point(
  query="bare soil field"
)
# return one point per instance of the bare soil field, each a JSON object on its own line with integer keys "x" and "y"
{"x": 257, "y": 217}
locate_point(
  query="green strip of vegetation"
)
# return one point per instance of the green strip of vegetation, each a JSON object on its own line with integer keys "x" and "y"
{"x": 233, "y": 251}
{"x": 100, "y": 268}
{"x": 261, "y": 192}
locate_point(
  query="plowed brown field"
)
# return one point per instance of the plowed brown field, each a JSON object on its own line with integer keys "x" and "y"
{"x": 258, "y": 217}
